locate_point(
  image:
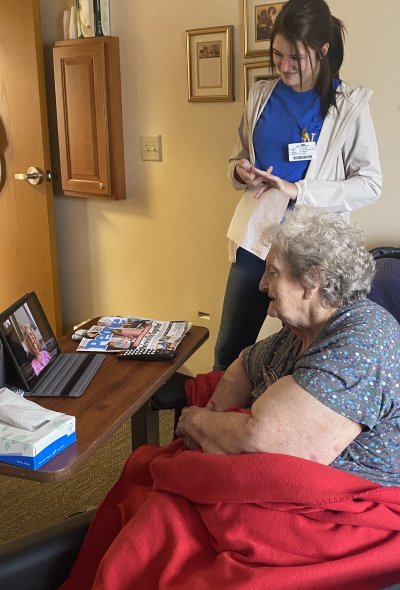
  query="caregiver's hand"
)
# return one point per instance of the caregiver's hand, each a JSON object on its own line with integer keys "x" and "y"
{"x": 246, "y": 173}
{"x": 271, "y": 181}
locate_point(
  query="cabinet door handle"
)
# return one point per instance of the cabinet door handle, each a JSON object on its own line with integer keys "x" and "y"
{"x": 32, "y": 175}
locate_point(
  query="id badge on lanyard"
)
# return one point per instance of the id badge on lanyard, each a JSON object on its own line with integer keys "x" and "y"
{"x": 306, "y": 150}
{"x": 302, "y": 151}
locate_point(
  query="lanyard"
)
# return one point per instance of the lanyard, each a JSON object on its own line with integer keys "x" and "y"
{"x": 306, "y": 137}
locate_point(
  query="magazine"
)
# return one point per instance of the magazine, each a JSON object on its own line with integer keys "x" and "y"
{"x": 115, "y": 333}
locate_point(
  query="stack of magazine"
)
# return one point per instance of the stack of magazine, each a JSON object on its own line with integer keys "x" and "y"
{"x": 115, "y": 333}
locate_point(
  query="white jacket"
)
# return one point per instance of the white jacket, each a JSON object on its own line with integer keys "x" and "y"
{"x": 344, "y": 176}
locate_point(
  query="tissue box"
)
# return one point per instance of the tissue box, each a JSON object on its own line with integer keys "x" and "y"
{"x": 33, "y": 449}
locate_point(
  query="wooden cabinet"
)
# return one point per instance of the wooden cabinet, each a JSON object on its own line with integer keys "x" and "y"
{"x": 89, "y": 117}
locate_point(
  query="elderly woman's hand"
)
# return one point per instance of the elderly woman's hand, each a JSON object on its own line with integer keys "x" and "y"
{"x": 191, "y": 430}
{"x": 186, "y": 423}
{"x": 213, "y": 432}
{"x": 190, "y": 443}
{"x": 189, "y": 427}
{"x": 181, "y": 430}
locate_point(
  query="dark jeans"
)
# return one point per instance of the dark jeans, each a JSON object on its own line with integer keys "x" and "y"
{"x": 244, "y": 309}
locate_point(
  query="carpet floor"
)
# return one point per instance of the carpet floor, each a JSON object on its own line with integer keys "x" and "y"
{"x": 26, "y": 505}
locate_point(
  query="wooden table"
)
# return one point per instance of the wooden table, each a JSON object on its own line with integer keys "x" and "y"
{"x": 118, "y": 391}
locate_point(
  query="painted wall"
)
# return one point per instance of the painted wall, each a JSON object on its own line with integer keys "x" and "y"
{"x": 163, "y": 251}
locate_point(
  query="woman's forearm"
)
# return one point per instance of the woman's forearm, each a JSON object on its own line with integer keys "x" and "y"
{"x": 233, "y": 390}
{"x": 217, "y": 432}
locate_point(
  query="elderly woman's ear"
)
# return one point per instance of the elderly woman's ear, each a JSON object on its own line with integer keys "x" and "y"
{"x": 314, "y": 282}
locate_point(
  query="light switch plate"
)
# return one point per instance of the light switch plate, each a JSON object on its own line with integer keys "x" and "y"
{"x": 151, "y": 147}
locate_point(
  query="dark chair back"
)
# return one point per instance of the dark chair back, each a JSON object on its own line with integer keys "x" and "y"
{"x": 385, "y": 288}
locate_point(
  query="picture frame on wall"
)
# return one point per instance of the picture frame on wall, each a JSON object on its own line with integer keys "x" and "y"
{"x": 253, "y": 72}
{"x": 259, "y": 18}
{"x": 210, "y": 64}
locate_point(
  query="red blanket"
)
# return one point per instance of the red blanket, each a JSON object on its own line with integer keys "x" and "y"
{"x": 185, "y": 520}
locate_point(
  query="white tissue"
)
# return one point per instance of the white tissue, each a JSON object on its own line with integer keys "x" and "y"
{"x": 17, "y": 411}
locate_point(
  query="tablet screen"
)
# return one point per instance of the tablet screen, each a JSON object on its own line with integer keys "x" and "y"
{"x": 29, "y": 338}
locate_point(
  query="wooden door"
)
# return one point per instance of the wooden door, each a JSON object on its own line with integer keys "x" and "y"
{"x": 28, "y": 259}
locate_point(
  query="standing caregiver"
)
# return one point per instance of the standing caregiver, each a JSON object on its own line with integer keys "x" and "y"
{"x": 305, "y": 138}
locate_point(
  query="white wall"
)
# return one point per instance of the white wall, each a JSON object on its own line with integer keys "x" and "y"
{"x": 372, "y": 55}
{"x": 162, "y": 252}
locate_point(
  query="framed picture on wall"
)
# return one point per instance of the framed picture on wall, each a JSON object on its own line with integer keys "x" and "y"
{"x": 210, "y": 64}
{"x": 253, "y": 72}
{"x": 259, "y": 18}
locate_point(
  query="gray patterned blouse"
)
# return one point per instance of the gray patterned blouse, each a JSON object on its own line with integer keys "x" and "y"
{"x": 353, "y": 367}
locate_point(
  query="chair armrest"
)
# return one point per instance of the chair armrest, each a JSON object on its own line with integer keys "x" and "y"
{"x": 171, "y": 395}
{"x": 43, "y": 559}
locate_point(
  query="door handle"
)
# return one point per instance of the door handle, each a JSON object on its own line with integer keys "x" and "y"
{"x": 32, "y": 175}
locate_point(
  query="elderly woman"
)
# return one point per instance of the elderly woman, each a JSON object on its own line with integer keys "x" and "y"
{"x": 326, "y": 387}
{"x": 41, "y": 357}
{"x": 284, "y": 495}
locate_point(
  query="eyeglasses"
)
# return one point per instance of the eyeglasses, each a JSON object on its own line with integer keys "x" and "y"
{"x": 269, "y": 376}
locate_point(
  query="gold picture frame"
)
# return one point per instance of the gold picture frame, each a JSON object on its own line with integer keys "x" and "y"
{"x": 210, "y": 64}
{"x": 258, "y": 17}
{"x": 252, "y": 72}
